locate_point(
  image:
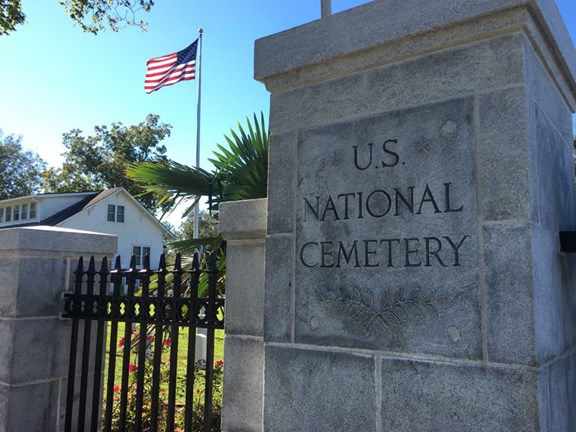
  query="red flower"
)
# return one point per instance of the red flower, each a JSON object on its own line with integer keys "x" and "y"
{"x": 116, "y": 388}
{"x": 219, "y": 363}
{"x": 197, "y": 390}
{"x": 121, "y": 342}
{"x": 132, "y": 368}
{"x": 167, "y": 342}
{"x": 150, "y": 338}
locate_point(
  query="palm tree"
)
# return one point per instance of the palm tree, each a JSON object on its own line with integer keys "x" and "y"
{"x": 240, "y": 172}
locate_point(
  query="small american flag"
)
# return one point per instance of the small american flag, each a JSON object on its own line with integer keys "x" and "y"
{"x": 171, "y": 68}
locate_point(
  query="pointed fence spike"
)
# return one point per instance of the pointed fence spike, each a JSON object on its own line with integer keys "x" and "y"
{"x": 133, "y": 262}
{"x": 80, "y": 267}
{"x": 195, "y": 262}
{"x": 146, "y": 262}
{"x": 117, "y": 264}
{"x": 162, "y": 265}
{"x": 178, "y": 264}
{"x": 104, "y": 267}
{"x": 92, "y": 265}
{"x": 213, "y": 261}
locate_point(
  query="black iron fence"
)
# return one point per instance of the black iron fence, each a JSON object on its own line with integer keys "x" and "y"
{"x": 148, "y": 308}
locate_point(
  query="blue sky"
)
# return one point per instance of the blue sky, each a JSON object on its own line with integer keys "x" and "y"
{"x": 59, "y": 78}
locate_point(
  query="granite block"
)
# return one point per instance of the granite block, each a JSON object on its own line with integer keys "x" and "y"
{"x": 503, "y": 155}
{"x": 509, "y": 293}
{"x": 245, "y": 266}
{"x": 543, "y": 90}
{"x": 309, "y": 390}
{"x": 424, "y": 397}
{"x": 278, "y": 309}
{"x": 548, "y": 294}
{"x": 281, "y": 171}
{"x": 29, "y": 408}
{"x": 243, "y": 219}
{"x": 558, "y": 400}
{"x": 386, "y": 234}
{"x": 381, "y": 22}
{"x": 243, "y": 385}
{"x": 65, "y": 241}
{"x": 552, "y": 173}
{"x": 450, "y": 73}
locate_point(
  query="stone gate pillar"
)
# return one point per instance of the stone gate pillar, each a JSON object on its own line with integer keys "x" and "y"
{"x": 420, "y": 172}
{"x": 36, "y": 266}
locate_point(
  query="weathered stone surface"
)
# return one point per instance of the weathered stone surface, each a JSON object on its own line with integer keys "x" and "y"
{"x": 243, "y": 378}
{"x": 243, "y": 219}
{"x": 551, "y": 174}
{"x": 509, "y": 293}
{"x": 61, "y": 240}
{"x": 309, "y": 390}
{"x": 282, "y": 169}
{"x": 453, "y": 72}
{"x": 245, "y": 288}
{"x": 31, "y": 408}
{"x": 423, "y": 397}
{"x": 382, "y": 22}
{"x": 279, "y": 292}
{"x": 503, "y": 155}
{"x": 558, "y": 393}
{"x": 414, "y": 198}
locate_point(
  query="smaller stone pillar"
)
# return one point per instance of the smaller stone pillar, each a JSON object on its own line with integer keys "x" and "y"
{"x": 243, "y": 226}
{"x": 36, "y": 266}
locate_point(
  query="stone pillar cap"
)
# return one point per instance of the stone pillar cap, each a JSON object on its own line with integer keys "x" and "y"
{"x": 383, "y": 22}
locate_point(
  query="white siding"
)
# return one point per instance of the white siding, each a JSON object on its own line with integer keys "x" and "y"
{"x": 138, "y": 228}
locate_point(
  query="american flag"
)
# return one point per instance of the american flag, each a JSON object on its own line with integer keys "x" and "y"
{"x": 171, "y": 68}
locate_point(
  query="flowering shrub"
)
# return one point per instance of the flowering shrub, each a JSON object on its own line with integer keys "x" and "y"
{"x": 198, "y": 403}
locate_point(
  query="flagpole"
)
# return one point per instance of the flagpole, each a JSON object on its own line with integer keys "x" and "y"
{"x": 199, "y": 68}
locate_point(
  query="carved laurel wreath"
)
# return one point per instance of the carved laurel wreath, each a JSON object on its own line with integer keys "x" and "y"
{"x": 395, "y": 308}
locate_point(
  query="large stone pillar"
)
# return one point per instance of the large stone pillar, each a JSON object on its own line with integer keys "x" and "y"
{"x": 36, "y": 266}
{"x": 243, "y": 226}
{"x": 420, "y": 172}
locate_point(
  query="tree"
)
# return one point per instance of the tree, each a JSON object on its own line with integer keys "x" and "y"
{"x": 208, "y": 226}
{"x": 99, "y": 161}
{"x": 20, "y": 170}
{"x": 240, "y": 172}
{"x": 11, "y": 15}
{"x": 91, "y": 15}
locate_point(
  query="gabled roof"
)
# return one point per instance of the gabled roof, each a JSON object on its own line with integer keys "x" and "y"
{"x": 89, "y": 200}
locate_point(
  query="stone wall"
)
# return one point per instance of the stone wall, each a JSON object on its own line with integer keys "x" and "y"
{"x": 36, "y": 266}
{"x": 420, "y": 171}
{"x": 243, "y": 226}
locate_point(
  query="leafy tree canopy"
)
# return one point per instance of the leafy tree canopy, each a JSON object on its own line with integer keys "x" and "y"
{"x": 20, "y": 170}
{"x": 99, "y": 161}
{"x": 91, "y": 15}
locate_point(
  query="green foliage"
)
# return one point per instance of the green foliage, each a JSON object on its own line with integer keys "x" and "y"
{"x": 99, "y": 161}
{"x": 95, "y": 15}
{"x": 92, "y": 16}
{"x": 240, "y": 172}
{"x": 20, "y": 170}
{"x": 11, "y": 15}
{"x": 165, "y": 365}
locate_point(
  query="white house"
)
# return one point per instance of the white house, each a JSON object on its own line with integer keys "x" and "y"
{"x": 112, "y": 211}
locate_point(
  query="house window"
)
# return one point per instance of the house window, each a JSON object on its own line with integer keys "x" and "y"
{"x": 32, "y": 210}
{"x": 24, "y": 212}
{"x": 139, "y": 253}
{"x": 8, "y": 214}
{"x": 1, "y": 214}
{"x": 115, "y": 213}
{"x": 16, "y": 214}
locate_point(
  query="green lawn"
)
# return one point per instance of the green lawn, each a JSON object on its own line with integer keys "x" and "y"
{"x": 181, "y": 362}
